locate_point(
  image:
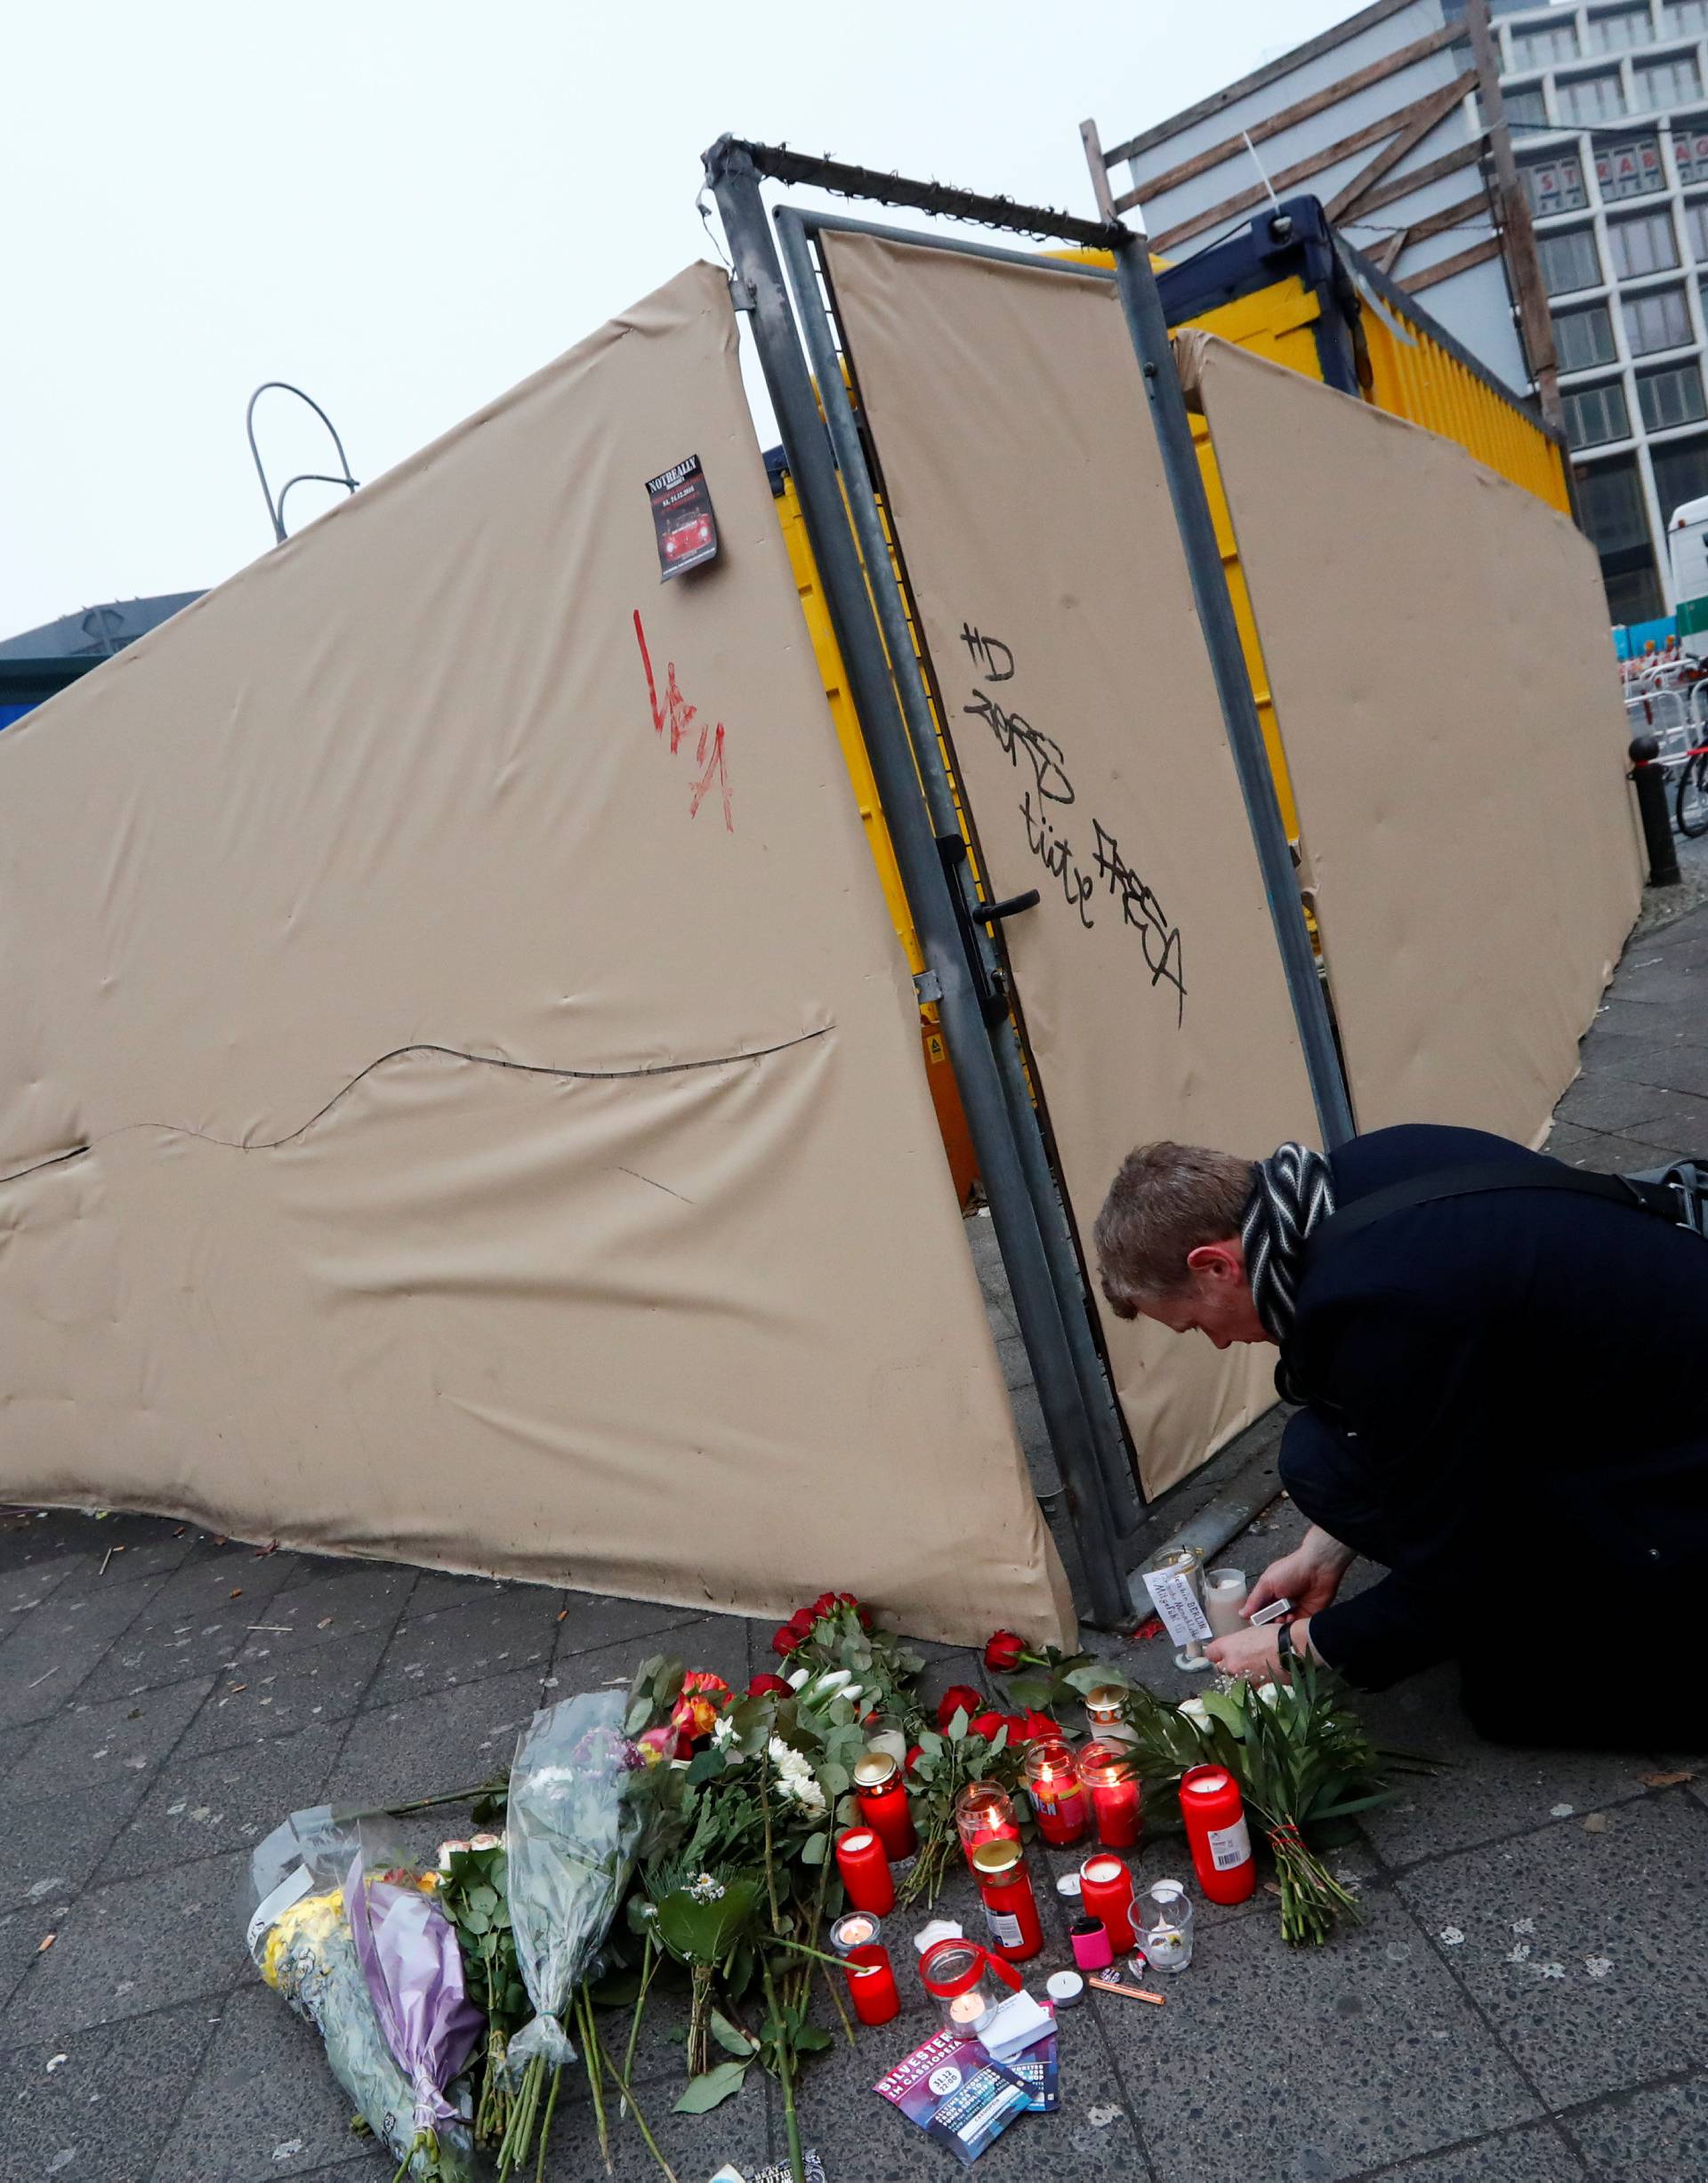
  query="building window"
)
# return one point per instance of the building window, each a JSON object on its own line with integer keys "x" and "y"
{"x": 1657, "y": 319}
{"x": 1569, "y": 261}
{"x": 1629, "y": 170}
{"x": 1695, "y": 221}
{"x": 1555, "y": 185}
{"x": 1595, "y": 413}
{"x": 1525, "y": 107}
{"x": 1680, "y": 473}
{"x": 1541, "y": 44}
{"x": 1590, "y": 98}
{"x": 1612, "y": 33}
{"x": 1671, "y": 397}
{"x": 1645, "y": 245}
{"x": 1685, "y": 19}
{"x": 1583, "y": 338}
{"x": 1690, "y": 148}
{"x": 1674, "y": 82}
{"x": 1610, "y": 501}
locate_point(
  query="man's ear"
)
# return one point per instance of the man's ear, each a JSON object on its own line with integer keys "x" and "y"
{"x": 1218, "y": 1261}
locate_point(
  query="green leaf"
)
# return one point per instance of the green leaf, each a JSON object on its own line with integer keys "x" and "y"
{"x": 1031, "y": 1690}
{"x": 475, "y": 1922}
{"x": 617, "y": 1990}
{"x": 1086, "y": 1679}
{"x": 958, "y": 1724}
{"x": 713, "y": 2088}
{"x": 814, "y": 1848}
{"x": 728, "y": 2038}
{"x": 834, "y": 1780}
{"x": 808, "y": 2039}
{"x": 483, "y": 1897}
{"x": 638, "y": 1715}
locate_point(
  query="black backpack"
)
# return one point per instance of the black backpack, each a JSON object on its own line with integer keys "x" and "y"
{"x": 1678, "y": 1194}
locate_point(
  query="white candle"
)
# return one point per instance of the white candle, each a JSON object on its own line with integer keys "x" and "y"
{"x": 1224, "y": 1594}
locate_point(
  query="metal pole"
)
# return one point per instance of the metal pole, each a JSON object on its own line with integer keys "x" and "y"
{"x": 1148, "y": 329}
{"x": 759, "y": 282}
{"x": 1066, "y": 1274}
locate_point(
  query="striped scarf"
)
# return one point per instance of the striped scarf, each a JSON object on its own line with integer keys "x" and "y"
{"x": 1293, "y": 1192}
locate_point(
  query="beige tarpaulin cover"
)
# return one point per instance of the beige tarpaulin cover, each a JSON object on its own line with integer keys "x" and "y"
{"x": 507, "y": 1140}
{"x": 1437, "y": 646}
{"x": 1030, "y": 500}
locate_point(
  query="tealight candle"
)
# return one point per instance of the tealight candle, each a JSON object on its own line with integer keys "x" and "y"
{"x": 1117, "y": 1799}
{"x": 967, "y": 1983}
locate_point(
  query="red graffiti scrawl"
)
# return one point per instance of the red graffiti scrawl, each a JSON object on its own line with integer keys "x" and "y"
{"x": 674, "y": 717}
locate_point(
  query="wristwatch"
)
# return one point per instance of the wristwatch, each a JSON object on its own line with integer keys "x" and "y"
{"x": 1284, "y": 1651}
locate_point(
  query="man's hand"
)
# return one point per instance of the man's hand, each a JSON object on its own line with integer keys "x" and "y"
{"x": 1254, "y": 1654}
{"x": 1309, "y": 1577}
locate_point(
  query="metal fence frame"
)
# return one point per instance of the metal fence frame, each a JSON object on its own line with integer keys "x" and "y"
{"x": 966, "y": 972}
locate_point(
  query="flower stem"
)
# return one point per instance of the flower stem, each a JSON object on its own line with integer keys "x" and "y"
{"x": 633, "y": 2105}
{"x": 848, "y": 2029}
{"x": 785, "y": 2070}
{"x": 647, "y": 1959}
{"x": 589, "y": 2055}
{"x": 545, "y": 2126}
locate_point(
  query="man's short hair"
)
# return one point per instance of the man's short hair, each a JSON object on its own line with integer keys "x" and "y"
{"x": 1167, "y": 1200}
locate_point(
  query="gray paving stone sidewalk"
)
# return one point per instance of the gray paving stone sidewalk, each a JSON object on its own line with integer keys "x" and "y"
{"x": 1527, "y": 2002}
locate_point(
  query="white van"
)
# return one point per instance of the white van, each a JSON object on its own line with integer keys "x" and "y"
{"x": 1687, "y": 538}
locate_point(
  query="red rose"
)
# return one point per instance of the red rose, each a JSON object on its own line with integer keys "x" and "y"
{"x": 865, "y": 1615}
{"x": 846, "y": 1597}
{"x": 802, "y": 1621}
{"x": 1038, "y": 1726}
{"x": 961, "y": 1698}
{"x": 986, "y": 1725}
{"x": 762, "y": 1686}
{"x": 825, "y": 1604}
{"x": 785, "y": 1637}
{"x": 1004, "y": 1651}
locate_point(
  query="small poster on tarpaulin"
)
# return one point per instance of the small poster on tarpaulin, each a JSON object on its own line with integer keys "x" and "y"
{"x": 683, "y": 520}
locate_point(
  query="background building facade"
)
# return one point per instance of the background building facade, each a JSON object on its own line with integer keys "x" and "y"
{"x": 1608, "y": 115}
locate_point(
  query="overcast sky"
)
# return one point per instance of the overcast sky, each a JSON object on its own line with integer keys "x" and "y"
{"x": 408, "y": 207}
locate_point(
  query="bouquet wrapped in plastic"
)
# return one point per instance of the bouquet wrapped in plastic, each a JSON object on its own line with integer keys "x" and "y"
{"x": 573, "y": 1830}
{"x": 300, "y": 1940}
{"x": 409, "y": 1957}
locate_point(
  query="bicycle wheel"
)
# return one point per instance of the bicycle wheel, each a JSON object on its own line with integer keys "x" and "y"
{"x": 1690, "y": 802}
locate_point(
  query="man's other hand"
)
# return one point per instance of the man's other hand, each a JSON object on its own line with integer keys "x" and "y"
{"x": 1309, "y": 1577}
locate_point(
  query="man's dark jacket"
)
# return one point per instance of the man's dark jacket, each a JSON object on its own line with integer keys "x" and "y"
{"x": 1508, "y": 1404}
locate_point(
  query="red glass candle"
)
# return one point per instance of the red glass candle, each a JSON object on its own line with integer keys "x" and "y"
{"x": 983, "y": 1813}
{"x": 881, "y": 1796}
{"x": 1116, "y": 1799}
{"x": 1105, "y": 1892}
{"x": 967, "y": 1983}
{"x": 1216, "y": 1833}
{"x": 1011, "y": 1908}
{"x": 871, "y": 1981}
{"x": 1053, "y": 1781}
{"x": 866, "y": 1871}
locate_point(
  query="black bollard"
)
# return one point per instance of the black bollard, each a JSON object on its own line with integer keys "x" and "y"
{"x": 1650, "y": 784}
